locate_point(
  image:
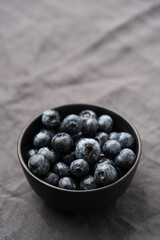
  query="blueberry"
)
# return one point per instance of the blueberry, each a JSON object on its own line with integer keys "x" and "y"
{"x": 68, "y": 158}
{"x": 50, "y": 132}
{"x": 61, "y": 169}
{"x": 111, "y": 148}
{"x": 125, "y": 159}
{"x": 62, "y": 143}
{"x": 90, "y": 127}
{"x": 51, "y": 178}
{"x": 88, "y": 183}
{"x": 126, "y": 140}
{"x": 87, "y": 114}
{"x": 67, "y": 183}
{"x": 88, "y": 149}
{"x": 38, "y": 165}
{"x": 79, "y": 168}
{"x": 104, "y": 160}
{"x": 30, "y": 153}
{"x": 101, "y": 138}
{"x": 75, "y": 144}
{"x": 105, "y": 123}
{"x": 41, "y": 150}
{"x": 109, "y": 161}
{"x": 102, "y": 155}
{"x": 114, "y": 136}
{"x": 72, "y": 124}
{"x": 105, "y": 174}
{"x": 77, "y": 136}
{"x": 51, "y": 119}
{"x": 49, "y": 154}
{"x": 42, "y": 139}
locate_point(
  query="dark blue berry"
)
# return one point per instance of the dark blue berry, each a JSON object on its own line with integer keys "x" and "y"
{"x": 51, "y": 178}
{"x": 87, "y": 114}
{"x": 51, "y": 119}
{"x": 42, "y": 139}
{"x": 90, "y": 127}
{"x": 67, "y": 183}
{"x": 88, "y": 149}
{"x": 126, "y": 140}
{"x": 104, "y": 160}
{"x": 50, "y": 132}
{"x": 101, "y": 138}
{"x": 109, "y": 161}
{"x": 125, "y": 159}
{"x": 61, "y": 169}
{"x": 88, "y": 183}
{"x": 30, "y": 153}
{"x": 105, "y": 174}
{"x": 79, "y": 168}
{"x": 102, "y": 155}
{"x": 62, "y": 143}
{"x": 38, "y": 165}
{"x": 111, "y": 148}
{"x": 78, "y": 141}
{"x": 105, "y": 123}
{"x": 72, "y": 124}
{"x": 77, "y": 136}
{"x": 114, "y": 136}
{"x": 49, "y": 154}
{"x": 68, "y": 158}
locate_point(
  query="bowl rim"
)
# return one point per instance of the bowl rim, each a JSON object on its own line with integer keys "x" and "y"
{"x": 80, "y": 191}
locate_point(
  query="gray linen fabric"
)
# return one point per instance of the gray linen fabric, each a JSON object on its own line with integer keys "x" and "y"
{"x": 100, "y": 52}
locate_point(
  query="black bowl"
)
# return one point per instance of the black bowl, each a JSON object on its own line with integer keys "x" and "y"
{"x": 78, "y": 200}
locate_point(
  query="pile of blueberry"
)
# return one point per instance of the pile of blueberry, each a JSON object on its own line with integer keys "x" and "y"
{"x": 80, "y": 152}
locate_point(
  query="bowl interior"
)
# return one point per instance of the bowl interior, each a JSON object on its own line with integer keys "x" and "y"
{"x": 120, "y": 124}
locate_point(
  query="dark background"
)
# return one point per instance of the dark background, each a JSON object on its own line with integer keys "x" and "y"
{"x": 98, "y": 52}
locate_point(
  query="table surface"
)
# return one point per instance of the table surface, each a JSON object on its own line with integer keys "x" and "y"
{"x": 98, "y": 52}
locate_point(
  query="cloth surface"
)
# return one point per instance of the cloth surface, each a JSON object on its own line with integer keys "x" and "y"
{"x": 98, "y": 52}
